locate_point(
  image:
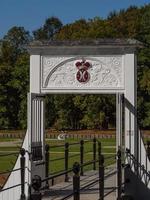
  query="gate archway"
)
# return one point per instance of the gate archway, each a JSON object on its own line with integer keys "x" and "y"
{"x": 89, "y": 67}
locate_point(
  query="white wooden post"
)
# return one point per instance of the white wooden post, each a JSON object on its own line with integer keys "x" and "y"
{"x": 130, "y": 100}
{"x": 35, "y": 73}
{"x": 36, "y": 120}
{"x": 119, "y": 120}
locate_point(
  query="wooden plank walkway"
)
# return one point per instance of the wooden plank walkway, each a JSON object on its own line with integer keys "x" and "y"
{"x": 60, "y": 190}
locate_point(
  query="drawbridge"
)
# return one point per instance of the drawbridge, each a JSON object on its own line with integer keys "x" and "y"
{"x": 105, "y": 66}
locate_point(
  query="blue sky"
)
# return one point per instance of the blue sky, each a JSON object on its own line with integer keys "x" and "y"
{"x": 32, "y": 13}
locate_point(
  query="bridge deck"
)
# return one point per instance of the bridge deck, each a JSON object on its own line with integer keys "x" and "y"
{"x": 60, "y": 190}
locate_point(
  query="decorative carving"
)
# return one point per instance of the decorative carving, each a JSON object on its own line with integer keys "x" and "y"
{"x": 60, "y": 72}
{"x": 48, "y": 65}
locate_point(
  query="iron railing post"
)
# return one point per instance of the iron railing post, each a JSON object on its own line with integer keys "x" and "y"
{"x": 36, "y": 185}
{"x": 76, "y": 181}
{"x": 94, "y": 153}
{"x": 81, "y": 156}
{"x": 66, "y": 160}
{"x": 22, "y": 166}
{"x": 101, "y": 175}
{"x": 47, "y": 164}
{"x": 99, "y": 149}
{"x": 29, "y": 192}
{"x": 148, "y": 149}
{"x": 119, "y": 175}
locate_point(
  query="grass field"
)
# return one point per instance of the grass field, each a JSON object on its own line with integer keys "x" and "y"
{"x": 7, "y": 162}
{"x": 108, "y": 147}
{"x": 8, "y": 146}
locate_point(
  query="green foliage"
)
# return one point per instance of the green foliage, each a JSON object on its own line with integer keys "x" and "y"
{"x": 51, "y": 26}
{"x": 67, "y": 114}
{"x": 50, "y": 112}
{"x": 20, "y": 83}
{"x": 97, "y": 111}
{"x": 17, "y": 37}
{"x": 145, "y": 80}
{"x": 5, "y": 72}
{"x": 144, "y": 31}
{"x": 14, "y": 78}
{"x": 14, "y": 44}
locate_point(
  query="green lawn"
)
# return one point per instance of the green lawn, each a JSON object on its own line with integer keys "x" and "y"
{"x": 7, "y": 139}
{"x": 7, "y": 162}
{"x": 108, "y": 146}
{"x": 10, "y": 148}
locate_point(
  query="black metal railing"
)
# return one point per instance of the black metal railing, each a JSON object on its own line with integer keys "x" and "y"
{"x": 97, "y": 162}
{"x": 77, "y": 170}
{"x": 67, "y": 156}
{"x": 140, "y": 169}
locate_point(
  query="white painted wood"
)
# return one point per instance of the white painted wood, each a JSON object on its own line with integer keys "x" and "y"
{"x": 35, "y": 73}
{"x": 36, "y": 130}
{"x": 59, "y": 74}
{"x": 130, "y": 99}
{"x": 119, "y": 120}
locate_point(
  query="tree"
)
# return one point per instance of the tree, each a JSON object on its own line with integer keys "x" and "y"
{"x": 14, "y": 85}
{"x": 50, "y": 111}
{"x": 144, "y": 31}
{"x": 125, "y": 22}
{"x": 13, "y": 76}
{"x": 77, "y": 30}
{"x": 5, "y": 76}
{"x": 14, "y": 44}
{"x": 51, "y": 26}
{"x": 20, "y": 84}
{"x": 97, "y": 110}
{"x": 66, "y": 113}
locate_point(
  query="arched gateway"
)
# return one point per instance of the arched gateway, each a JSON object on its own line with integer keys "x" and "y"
{"x": 89, "y": 67}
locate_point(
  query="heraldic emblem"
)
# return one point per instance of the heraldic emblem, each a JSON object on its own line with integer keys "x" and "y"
{"x": 83, "y": 75}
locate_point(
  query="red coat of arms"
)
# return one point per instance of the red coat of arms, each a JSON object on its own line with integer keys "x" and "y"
{"x": 83, "y": 75}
